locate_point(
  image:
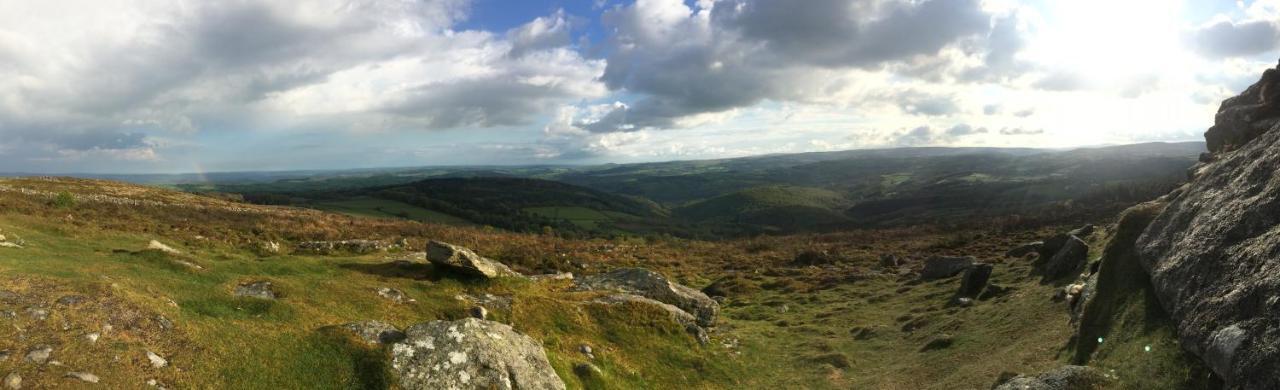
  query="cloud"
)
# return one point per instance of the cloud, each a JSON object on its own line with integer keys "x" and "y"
{"x": 1020, "y": 131}
{"x": 681, "y": 61}
{"x": 930, "y": 136}
{"x": 161, "y": 67}
{"x": 1226, "y": 38}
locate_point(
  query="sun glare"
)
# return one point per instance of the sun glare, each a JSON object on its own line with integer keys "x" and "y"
{"x": 1103, "y": 41}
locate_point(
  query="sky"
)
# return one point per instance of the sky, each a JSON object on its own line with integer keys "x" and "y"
{"x": 168, "y": 86}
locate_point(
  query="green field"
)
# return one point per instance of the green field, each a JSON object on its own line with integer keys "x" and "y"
{"x": 383, "y": 208}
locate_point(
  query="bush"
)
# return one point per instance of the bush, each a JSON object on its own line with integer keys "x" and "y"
{"x": 64, "y": 200}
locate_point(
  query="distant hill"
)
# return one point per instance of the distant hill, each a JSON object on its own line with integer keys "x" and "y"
{"x": 750, "y": 195}
{"x": 517, "y": 204}
{"x": 781, "y": 208}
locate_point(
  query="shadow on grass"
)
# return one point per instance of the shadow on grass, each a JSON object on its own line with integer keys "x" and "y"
{"x": 409, "y": 270}
{"x": 368, "y": 365}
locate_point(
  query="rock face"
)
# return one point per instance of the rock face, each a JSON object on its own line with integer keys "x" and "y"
{"x": 1073, "y": 254}
{"x": 1063, "y": 378}
{"x": 652, "y": 285}
{"x": 939, "y": 267}
{"x": 471, "y": 354}
{"x": 1242, "y": 118}
{"x": 1212, "y": 253}
{"x": 975, "y": 280}
{"x": 465, "y": 261}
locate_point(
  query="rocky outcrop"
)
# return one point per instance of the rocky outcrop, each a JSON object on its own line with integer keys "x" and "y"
{"x": 465, "y": 261}
{"x": 939, "y": 267}
{"x": 471, "y": 354}
{"x": 1243, "y": 118}
{"x": 1062, "y": 378}
{"x": 1212, "y": 253}
{"x": 652, "y": 285}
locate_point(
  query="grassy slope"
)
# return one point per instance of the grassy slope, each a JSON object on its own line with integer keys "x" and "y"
{"x": 1123, "y": 329}
{"x": 221, "y": 341}
{"x": 787, "y": 207}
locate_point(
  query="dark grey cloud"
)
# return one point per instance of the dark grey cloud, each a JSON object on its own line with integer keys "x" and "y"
{"x": 477, "y": 103}
{"x": 1235, "y": 39}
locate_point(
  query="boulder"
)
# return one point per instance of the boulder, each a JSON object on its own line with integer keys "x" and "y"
{"x": 975, "y": 280}
{"x": 258, "y": 289}
{"x": 1211, "y": 254}
{"x": 471, "y": 354}
{"x": 939, "y": 267}
{"x": 465, "y": 261}
{"x": 13, "y": 381}
{"x": 652, "y": 285}
{"x": 1062, "y": 378}
{"x": 1024, "y": 249}
{"x": 889, "y": 260}
{"x": 40, "y": 354}
{"x": 1068, "y": 259}
{"x": 374, "y": 332}
{"x": 681, "y": 317}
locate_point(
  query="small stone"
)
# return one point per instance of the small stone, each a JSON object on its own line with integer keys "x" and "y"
{"x": 93, "y": 337}
{"x": 84, "y": 376}
{"x": 940, "y": 342}
{"x": 258, "y": 289}
{"x": 13, "y": 381}
{"x": 157, "y": 245}
{"x": 586, "y": 349}
{"x": 40, "y": 354}
{"x": 964, "y": 302}
{"x": 156, "y": 360}
{"x": 394, "y": 295}
{"x": 479, "y": 312}
{"x": 37, "y": 313}
{"x": 71, "y": 300}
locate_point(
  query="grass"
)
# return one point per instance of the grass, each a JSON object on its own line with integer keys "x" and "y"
{"x": 1123, "y": 330}
{"x": 782, "y": 326}
{"x": 384, "y": 208}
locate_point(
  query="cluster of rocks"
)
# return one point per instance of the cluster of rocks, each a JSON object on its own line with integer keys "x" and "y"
{"x": 358, "y": 247}
{"x": 1059, "y": 256}
{"x": 975, "y": 282}
{"x": 45, "y": 357}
